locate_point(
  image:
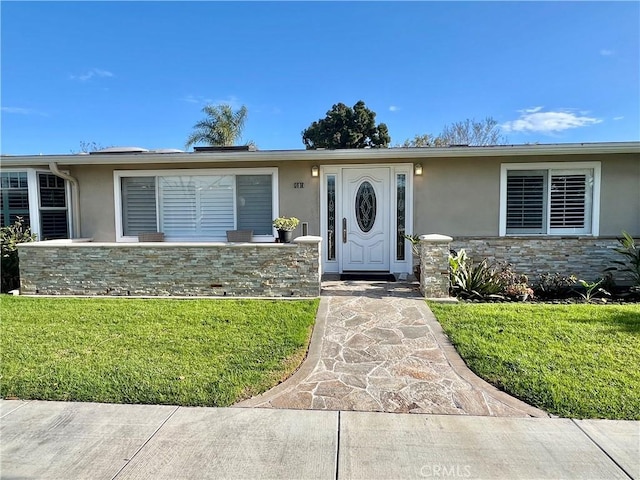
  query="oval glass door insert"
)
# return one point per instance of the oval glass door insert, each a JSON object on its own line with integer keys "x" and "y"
{"x": 366, "y": 206}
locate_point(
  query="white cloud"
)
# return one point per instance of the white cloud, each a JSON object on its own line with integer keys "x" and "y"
{"x": 535, "y": 120}
{"x": 394, "y": 108}
{"x": 194, "y": 99}
{"x": 94, "y": 72}
{"x": 231, "y": 100}
{"x": 23, "y": 111}
{"x": 606, "y": 53}
{"x": 19, "y": 110}
{"x": 618, "y": 118}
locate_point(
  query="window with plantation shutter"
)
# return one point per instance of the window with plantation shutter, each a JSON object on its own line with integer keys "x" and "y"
{"x": 196, "y": 207}
{"x": 215, "y": 206}
{"x": 177, "y": 206}
{"x": 525, "y": 201}
{"x": 40, "y": 198}
{"x": 568, "y": 202}
{"x": 555, "y": 200}
{"x": 54, "y": 222}
{"x": 139, "y": 205}
{"x": 14, "y": 198}
{"x": 254, "y": 201}
{"x": 54, "y": 225}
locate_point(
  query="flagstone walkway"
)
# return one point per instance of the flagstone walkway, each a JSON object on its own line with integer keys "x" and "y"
{"x": 377, "y": 347}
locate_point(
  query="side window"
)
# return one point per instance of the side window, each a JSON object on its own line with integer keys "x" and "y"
{"x": 14, "y": 198}
{"x": 54, "y": 220}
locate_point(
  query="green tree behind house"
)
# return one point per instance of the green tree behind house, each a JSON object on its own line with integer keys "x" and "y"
{"x": 346, "y": 127}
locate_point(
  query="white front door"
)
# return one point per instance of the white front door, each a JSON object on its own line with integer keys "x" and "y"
{"x": 365, "y": 219}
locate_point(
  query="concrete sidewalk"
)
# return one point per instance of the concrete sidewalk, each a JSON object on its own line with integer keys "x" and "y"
{"x": 60, "y": 440}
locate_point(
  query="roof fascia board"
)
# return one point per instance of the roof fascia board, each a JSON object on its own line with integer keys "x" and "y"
{"x": 324, "y": 155}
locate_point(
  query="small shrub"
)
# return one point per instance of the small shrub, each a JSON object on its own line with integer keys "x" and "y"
{"x": 514, "y": 285}
{"x": 10, "y": 237}
{"x": 554, "y": 285}
{"x": 592, "y": 290}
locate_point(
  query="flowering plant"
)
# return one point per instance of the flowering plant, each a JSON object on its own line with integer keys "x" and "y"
{"x": 286, "y": 223}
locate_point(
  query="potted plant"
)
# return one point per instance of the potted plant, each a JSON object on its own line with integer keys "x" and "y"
{"x": 285, "y": 227}
{"x": 415, "y": 248}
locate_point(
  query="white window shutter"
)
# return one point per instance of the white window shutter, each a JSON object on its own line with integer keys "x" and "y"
{"x": 570, "y": 202}
{"x": 196, "y": 207}
{"x": 525, "y": 201}
{"x": 215, "y": 206}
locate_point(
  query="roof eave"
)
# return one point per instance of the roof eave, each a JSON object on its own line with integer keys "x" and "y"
{"x": 409, "y": 154}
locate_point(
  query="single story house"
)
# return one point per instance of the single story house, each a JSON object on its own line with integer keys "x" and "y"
{"x": 543, "y": 208}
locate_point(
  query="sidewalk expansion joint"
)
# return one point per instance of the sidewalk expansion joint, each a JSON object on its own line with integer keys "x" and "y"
{"x": 602, "y": 449}
{"x": 14, "y": 409}
{"x": 155, "y": 432}
{"x": 338, "y": 448}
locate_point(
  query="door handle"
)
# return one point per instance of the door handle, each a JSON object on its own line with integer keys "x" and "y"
{"x": 344, "y": 230}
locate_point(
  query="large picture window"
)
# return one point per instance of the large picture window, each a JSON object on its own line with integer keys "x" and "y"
{"x": 558, "y": 199}
{"x": 196, "y": 206}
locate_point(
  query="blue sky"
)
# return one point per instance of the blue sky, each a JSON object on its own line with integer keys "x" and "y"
{"x": 139, "y": 73}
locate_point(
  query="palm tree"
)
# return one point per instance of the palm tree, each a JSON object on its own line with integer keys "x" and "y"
{"x": 222, "y": 126}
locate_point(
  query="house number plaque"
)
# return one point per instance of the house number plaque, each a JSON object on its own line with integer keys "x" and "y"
{"x": 298, "y": 185}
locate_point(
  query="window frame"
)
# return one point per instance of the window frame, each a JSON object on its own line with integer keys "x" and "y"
{"x": 64, "y": 209}
{"x": 550, "y": 168}
{"x": 33, "y": 188}
{"x": 119, "y": 174}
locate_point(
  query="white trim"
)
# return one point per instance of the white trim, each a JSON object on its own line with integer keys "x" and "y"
{"x": 33, "y": 192}
{"x": 34, "y": 202}
{"x": 33, "y": 196}
{"x": 395, "y": 266}
{"x": 552, "y": 166}
{"x": 67, "y": 200}
{"x": 330, "y": 266}
{"x": 118, "y": 174}
{"x": 406, "y": 265}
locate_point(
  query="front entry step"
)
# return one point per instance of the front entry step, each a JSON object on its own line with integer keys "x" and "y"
{"x": 368, "y": 276}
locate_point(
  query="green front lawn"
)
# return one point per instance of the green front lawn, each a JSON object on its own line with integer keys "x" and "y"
{"x": 183, "y": 352}
{"x": 580, "y": 361}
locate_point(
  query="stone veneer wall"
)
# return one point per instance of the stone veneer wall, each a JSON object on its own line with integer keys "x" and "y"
{"x": 584, "y": 257}
{"x": 183, "y": 269}
{"x": 434, "y": 265}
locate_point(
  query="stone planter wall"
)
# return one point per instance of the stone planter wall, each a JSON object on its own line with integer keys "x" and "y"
{"x": 584, "y": 257}
{"x": 171, "y": 269}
